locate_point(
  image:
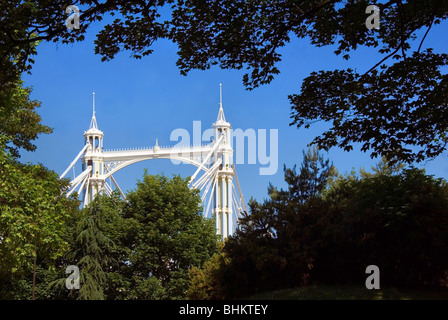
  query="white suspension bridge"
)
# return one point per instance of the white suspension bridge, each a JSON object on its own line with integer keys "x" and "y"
{"x": 215, "y": 175}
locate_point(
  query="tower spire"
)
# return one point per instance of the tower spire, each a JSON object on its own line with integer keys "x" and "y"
{"x": 221, "y": 117}
{"x": 93, "y": 123}
{"x": 220, "y": 96}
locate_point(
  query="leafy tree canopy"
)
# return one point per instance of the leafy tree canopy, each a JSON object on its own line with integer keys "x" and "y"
{"x": 396, "y": 108}
{"x": 163, "y": 235}
{"x": 20, "y": 124}
{"x": 33, "y": 215}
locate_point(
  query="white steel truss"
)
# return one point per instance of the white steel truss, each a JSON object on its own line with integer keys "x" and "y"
{"x": 215, "y": 160}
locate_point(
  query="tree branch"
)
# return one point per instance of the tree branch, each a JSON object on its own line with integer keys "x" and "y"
{"x": 426, "y": 33}
{"x": 401, "y": 44}
{"x": 400, "y": 12}
{"x": 382, "y": 60}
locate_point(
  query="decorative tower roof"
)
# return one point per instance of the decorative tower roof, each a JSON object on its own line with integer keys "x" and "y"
{"x": 221, "y": 120}
{"x": 93, "y": 130}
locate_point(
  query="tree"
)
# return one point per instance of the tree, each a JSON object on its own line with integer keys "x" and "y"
{"x": 25, "y": 23}
{"x": 164, "y": 235}
{"x": 93, "y": 250}
{"x": 19, "y": 122}
{"x": 34, "y": 211}
{"x": 384, "y": 167}
{"x": 296, "y": 212}
{"x": 395, "y": 108}
{"x": 394, "y": 218}
{"x": 311, "y": 181}
{"x": 397, "y": 221}
{"x": 204, "y": 284}
{"x": 274, "y": 246}
{"x": 397, "y": 113}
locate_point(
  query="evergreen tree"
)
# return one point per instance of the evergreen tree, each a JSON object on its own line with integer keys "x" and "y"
{"x": 315, "y": 173}
{"x": 94, "y": 252}
{"x": 272, "y": 242}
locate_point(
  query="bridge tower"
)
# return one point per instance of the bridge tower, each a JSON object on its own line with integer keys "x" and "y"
{"x": 222, "y": 210}
{"x": 93, "y": 158}
{"x": 215, "y": 160}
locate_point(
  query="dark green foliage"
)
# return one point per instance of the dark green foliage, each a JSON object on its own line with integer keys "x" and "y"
{"x": 139, "y": 249}
{"x": 25, "y": 23}
{"x": 163, "y": 235}
{"x": 386, "y": 111}
{"x": 93, "y": 250}
{"x": 310, "y": 182}
{"x": 395, "y": 106}
{"x": 394, "y": 218}
{"x": 205, "y": 279}
{"x": 33, "y": 207}
{"x": 142, "y": 248}
{"x": 19, "y": 122}
{"x": 268, "y": 250}
{"x": 398, "y": 222}
{"x": 34, "y": 212}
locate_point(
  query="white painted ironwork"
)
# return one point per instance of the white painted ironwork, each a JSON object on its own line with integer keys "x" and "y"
{"x": 214, "y": 159}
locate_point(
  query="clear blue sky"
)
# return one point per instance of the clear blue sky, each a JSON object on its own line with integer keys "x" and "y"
{"x": 138, "y": 101}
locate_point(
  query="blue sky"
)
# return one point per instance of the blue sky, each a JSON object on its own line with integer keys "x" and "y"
{"x": 138, "y": 101}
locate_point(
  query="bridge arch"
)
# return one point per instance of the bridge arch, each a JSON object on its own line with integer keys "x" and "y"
{"x": 130, "y": 162}
{"x": 221, "y": 192}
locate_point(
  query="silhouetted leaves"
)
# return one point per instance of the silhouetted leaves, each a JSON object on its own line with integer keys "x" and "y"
{"x": 394, "y": 108}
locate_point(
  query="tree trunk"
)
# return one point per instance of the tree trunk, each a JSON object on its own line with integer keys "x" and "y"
{"x": 34, "y": 272}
